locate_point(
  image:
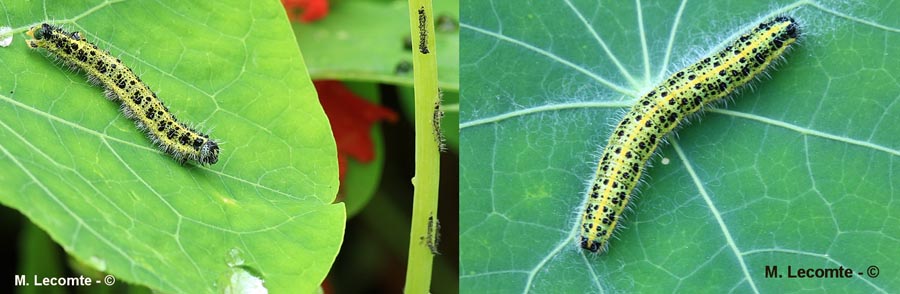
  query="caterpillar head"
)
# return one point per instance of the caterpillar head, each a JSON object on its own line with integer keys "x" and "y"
{"x": 209, "y": 152}
{"x": 39, "y": 33}
{"x": 45, "y": 32}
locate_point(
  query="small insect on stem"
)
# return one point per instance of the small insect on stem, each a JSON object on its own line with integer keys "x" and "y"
{"x": 436, "y": 119}
{"x": 433, "y": 237}
{"x": 423, "y": 31}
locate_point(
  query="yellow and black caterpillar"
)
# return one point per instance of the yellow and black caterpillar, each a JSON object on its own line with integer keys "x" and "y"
{"x": 138, "y": 102}
{"x": 658, "y": 112}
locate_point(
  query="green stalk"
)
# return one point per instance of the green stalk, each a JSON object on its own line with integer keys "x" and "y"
{"x": 426, "y": 180}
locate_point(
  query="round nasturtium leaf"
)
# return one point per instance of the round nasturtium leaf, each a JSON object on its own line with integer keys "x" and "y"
{"x": 798, "y": 170}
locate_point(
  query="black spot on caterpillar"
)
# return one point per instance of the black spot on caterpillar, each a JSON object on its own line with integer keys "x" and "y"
{"x": 138, "y": 102}
{"x": 423, "y": 31}
{"x": 658, "y": 112}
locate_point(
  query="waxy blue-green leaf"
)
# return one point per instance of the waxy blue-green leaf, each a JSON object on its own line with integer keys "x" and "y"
{"x": 801, "y": 170}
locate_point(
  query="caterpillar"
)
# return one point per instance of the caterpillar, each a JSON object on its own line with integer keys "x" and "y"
{"x": 659, "y": 111}
{"x": 432, "y": 237}
{"x": 423, "y": 31}
{"x": 436, "y": 117}
{"x": 138, "y": 102}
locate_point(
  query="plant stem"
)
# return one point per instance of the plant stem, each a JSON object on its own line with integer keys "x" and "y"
{"x": 426, "y": 180}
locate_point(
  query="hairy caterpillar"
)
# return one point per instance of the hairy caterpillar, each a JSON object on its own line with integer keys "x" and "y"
{"x": 436, "y": 119}
{"x": 658, "y": 112}
{"x": 423, "y": 31}
{"x": 433, "y": 236}
{"x": 138, "y": 101}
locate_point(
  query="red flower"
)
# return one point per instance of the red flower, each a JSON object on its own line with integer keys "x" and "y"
{"x": 305, "y": 10}
{"x": 351, "y": 120}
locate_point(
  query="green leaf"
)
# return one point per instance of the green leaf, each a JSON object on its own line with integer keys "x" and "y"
{"x": 82, "y": 172}
{"x": 801, "y": 170}
{"x": 365, "y": 41}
